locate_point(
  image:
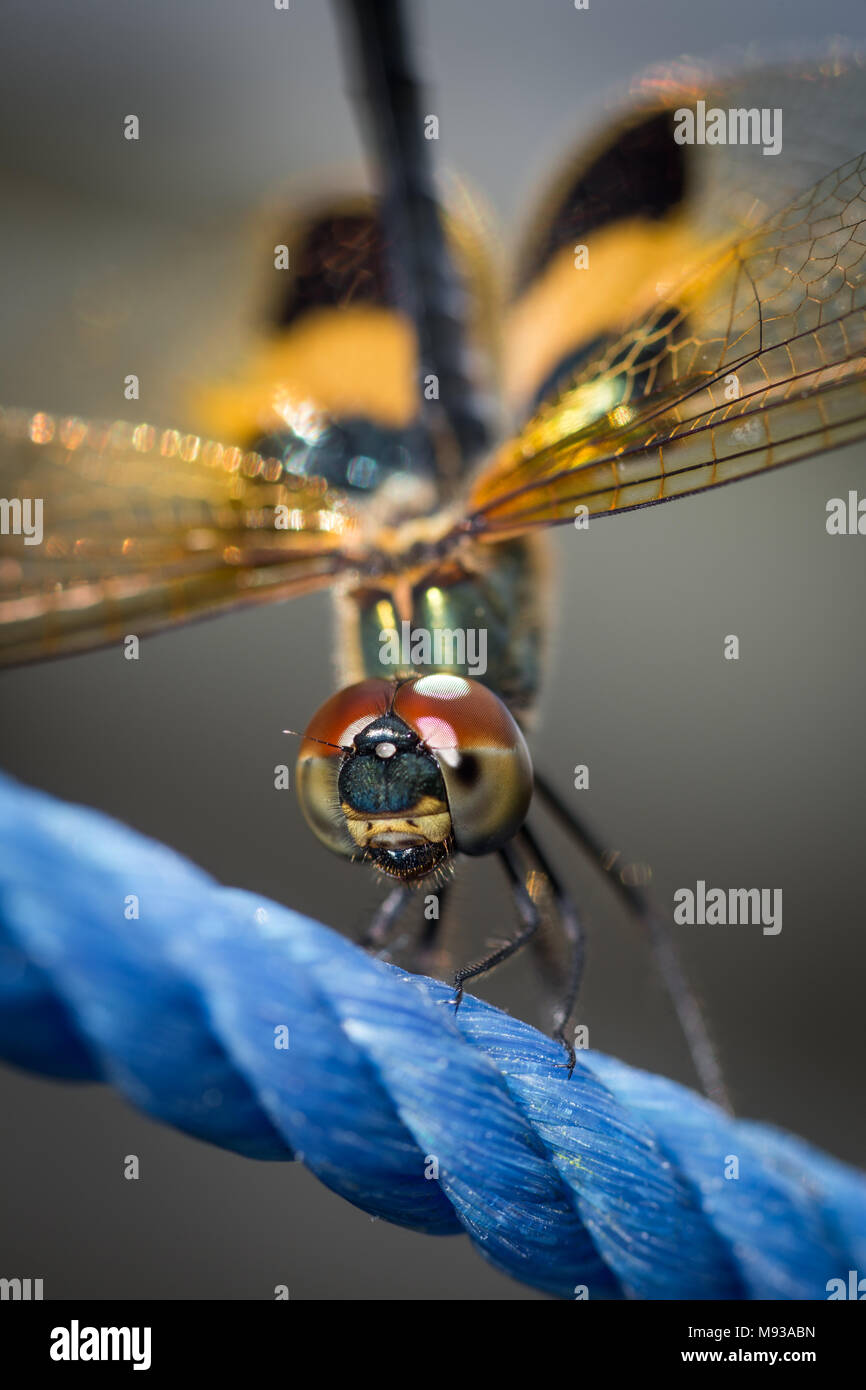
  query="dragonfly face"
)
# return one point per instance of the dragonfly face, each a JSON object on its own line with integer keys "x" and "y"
{"x": 405, "y": 773}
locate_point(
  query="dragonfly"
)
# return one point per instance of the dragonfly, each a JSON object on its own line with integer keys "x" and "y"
{"x": 684, "y": 314}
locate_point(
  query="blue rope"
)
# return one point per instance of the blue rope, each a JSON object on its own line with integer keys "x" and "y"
{"x": 613, "y": 1180}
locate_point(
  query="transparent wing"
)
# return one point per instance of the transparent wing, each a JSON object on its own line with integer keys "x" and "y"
{"x": 651, "y": 207}
{"x": 756, "y": 361}
{"x": 115, "y": 529}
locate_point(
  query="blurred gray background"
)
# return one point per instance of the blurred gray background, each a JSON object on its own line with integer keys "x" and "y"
{"x": 121, "y": 257}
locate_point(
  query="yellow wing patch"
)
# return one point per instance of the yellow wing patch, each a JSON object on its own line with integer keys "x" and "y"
{"x": 354, "y": 360}
{"x": 757, "y": 361}
{"x": 629, "y": 266}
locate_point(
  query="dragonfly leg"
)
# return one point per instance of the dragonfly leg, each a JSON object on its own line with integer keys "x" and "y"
{"x": 685, "y": 1002}
{"x": 385, "y": 918}
{"x": 572, "y": 926}
{"x": 528, "y": 914}
{"x": 380, "y": 932}
{"x": 431, "y": 931}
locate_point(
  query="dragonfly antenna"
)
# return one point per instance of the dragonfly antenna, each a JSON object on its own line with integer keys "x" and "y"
{"x": 339, "y": 746}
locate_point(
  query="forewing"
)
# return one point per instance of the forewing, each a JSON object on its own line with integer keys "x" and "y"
{"x": 756, "y": 361}
{"x": 637, "y": 210}
{"x": 110, "y": 530}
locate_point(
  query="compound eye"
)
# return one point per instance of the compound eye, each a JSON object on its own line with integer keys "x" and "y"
{"x": 329, "y": 733}
{"x": 481, "y": 752}
{"x": 339, "y": 719}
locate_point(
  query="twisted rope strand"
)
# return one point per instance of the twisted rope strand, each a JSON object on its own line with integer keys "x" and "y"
{"x": 613, "y": 1181}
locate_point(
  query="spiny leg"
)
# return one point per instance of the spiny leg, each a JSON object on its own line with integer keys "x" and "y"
{"x": 432, "y": 928}
{"x": 526, "y": 911}
{"x": 573, "y": 928}
{"x": 385, "y": 918}
{"x": 688, "y": 1010}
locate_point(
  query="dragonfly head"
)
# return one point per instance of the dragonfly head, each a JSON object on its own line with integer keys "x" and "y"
{"x": 406, "y": 773}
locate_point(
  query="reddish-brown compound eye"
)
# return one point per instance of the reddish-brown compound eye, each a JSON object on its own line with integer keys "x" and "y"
{"x": 339, "y": 719}
{"x": 481, "y": 752}
{"x": 331, "y": 730}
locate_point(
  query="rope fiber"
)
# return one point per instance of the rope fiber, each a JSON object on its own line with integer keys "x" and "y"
{"x": 611, "y": 1184}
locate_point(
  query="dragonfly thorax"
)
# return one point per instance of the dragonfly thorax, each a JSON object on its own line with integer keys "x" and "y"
{"x": 356, "y": 455}
{"x": 478, "y": 616}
